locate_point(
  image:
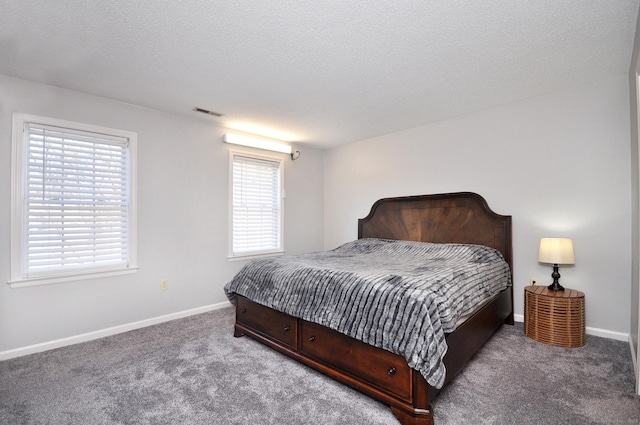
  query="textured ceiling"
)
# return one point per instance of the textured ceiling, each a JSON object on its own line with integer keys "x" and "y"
{"x": 321, "y": 73}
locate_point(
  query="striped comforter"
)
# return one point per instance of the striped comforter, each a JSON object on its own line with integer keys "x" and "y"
{"x": 400, "y": 296}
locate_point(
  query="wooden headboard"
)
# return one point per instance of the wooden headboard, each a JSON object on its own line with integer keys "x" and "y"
{"x": 462, "y": 217}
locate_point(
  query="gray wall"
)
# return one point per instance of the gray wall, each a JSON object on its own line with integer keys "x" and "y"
{"x": 559, "y": 164}
{"x": 182, "y": 219}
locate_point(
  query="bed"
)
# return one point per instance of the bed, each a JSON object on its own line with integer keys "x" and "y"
{"x": 370, "y": 360}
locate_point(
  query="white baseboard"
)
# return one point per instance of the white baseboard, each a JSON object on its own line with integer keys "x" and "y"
{"x": 604, "y": 333}
{"x": 634, "y": 358}
{"x": 89, "y": 336}
{"x": 618, "y": 336}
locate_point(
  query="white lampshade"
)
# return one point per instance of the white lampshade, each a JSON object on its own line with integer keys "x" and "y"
{"x": 556, "y": 251}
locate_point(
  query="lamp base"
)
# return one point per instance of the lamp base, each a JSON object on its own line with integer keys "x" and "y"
{"x": 555, "y": 286}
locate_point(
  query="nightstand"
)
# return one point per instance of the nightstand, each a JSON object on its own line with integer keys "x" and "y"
{"x": 554, "y": 318}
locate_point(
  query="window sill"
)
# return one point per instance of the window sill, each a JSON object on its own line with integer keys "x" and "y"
{"x": 48, "y": 280}
{"x": 254, "y": 255}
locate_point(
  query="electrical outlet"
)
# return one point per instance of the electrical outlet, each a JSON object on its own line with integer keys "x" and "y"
{"x": 533, "y": 281}
{"x": 164, "y": 285}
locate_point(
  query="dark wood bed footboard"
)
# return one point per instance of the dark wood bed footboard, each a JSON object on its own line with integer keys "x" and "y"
{"x": 378, "y": 373}
{"x": 446, "y": 218}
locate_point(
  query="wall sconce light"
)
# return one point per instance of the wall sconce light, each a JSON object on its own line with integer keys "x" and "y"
{"x": 556, "y": 251}
{"x": 255, "y": 142}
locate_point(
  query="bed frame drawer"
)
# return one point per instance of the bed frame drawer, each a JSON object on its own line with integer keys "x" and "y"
{"x": 381, "y": 368}
{"x": 271, "y": 323}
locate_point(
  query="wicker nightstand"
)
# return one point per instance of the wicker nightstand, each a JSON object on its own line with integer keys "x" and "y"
{"x": 555, "y": 318}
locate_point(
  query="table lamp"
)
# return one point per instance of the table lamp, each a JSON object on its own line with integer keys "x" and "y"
{"x": 556, "y": 251}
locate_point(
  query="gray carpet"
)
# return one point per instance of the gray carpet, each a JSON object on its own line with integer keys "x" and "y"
{"x": 192, "y": 371}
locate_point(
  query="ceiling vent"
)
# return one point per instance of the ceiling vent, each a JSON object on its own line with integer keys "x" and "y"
{"x": 205, "y": 111}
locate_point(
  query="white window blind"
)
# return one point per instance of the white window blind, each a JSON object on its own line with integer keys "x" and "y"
{"x": 76, "y": 213}
{"x": 256, "y": 205}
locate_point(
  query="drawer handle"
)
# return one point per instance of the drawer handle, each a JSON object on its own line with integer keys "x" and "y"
{"x": 287, "y": 328}
{"x": 391, "y": 371}
{"x": 312, "y": 338}
{"x": 244, "y": 310}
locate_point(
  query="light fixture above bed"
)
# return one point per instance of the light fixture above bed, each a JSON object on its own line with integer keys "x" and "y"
{"x": 556, "y": 251}
{"x": 260, "y": 143}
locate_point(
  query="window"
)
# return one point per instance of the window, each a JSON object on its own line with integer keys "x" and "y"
{"x": 256, "y": 205}
{"x": 73, "y": 201}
